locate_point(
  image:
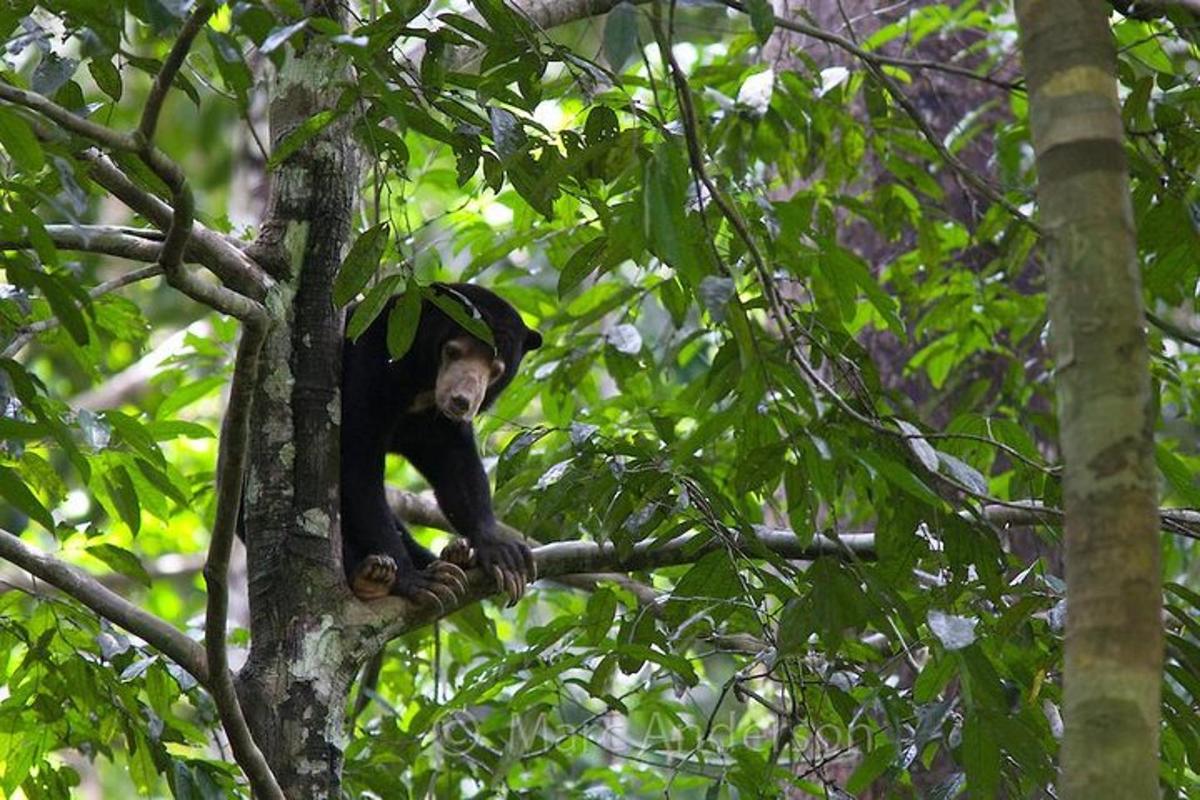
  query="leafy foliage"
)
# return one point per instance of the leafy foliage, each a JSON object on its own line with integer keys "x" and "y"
{"x": 828, "y": 330}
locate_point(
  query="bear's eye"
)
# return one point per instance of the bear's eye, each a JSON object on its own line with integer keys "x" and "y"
{"x": 497, "y": 370}
{"x": 453, "y": 351}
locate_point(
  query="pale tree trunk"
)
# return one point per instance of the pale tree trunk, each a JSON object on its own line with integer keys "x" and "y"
{"x": 1114, "y": 642}
{"x": 295, "y": 683}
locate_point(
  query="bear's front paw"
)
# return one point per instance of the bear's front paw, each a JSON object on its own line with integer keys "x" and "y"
{"x": 374, "y": 577}
{"x": 441, "y": 584}
{"x": 509, "y": 562}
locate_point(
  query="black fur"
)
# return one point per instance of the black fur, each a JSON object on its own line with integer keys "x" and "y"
{"x": 377, "y": 394}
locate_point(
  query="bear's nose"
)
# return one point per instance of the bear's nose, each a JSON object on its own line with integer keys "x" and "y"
{"x": 460, "y": 403}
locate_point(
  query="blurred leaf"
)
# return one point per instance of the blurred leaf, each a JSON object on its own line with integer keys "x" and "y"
{"x": 620, "y": 36}
{"x": 121, "y": 561}
{"x": 16, "y": 492}
{"x": 18, "y": 141}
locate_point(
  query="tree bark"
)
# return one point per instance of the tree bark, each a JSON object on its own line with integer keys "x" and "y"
{"x": 1114, "y": 644}
{"x": 296, "y": 680}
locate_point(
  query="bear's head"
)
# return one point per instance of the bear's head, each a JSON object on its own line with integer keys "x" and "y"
{"x": 471, "y": 373}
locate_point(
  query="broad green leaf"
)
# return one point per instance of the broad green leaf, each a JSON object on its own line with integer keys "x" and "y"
{"x": 106, "y": 76}
{"x": 360, "y": 263}
{"x": 297, "y": 138}
{"x": 121, "y": 561}
{"x": 620, "y": 36}
{"x": 980, "y": 757}
{"x": 403, "y": 320}
{"x": 124, "y": 497}
{"x": 583, "y": 262}
{"x": 454, "y": 309}
{"x": 14, "y": 490}
{"x": 17, "y": 139}
{"x": 366, "y": 311}
{"x": 762, "y": 18}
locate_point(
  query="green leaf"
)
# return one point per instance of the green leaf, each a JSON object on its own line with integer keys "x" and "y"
{"x": 106, "y": 76}
{"x": 366, "y": 311}
{"x": 582, "y": 263}
{"x": 1181, "y": 479}
{"x": 121, "y": 561}
{"x": 871, "y": 767}
{"x": 187, "y": 393}
{"x": 620, "y": 36}
{"x": 664, "y": 219}
{"x": 677, "y": 664}
{"x": 124, "y": 497}
{"x": 297, "y": 138}
{"x": 980, "y": 755}
{"x": 454, "y": 309}
{"x": 762, "y": 18}
{"x": 63, "y": 305}
{"x": 280, "y": 35}
{"x": 165, "y": 429}
{"x": 135, "y": 435}
{"x": 14, "y": 490}
{"x": 713, "y": 577}
{"x": 360, "y": 263}
{"x": 403, "y": 320}
{"x": 161, "y": 480}
{"x": 18, "y": 141}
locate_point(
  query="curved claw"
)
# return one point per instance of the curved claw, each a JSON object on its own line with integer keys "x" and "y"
{"x": 426, "y": 596}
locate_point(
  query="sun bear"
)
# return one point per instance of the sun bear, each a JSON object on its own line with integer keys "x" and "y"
{"x": 421, "y": 406}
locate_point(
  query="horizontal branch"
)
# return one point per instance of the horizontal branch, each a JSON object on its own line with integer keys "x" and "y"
{"x": 423, "y": 510}
{"x": 68, "y": 120}
{"x": 109, "y": 240}
{"x": 169, "y": 567}
{"x": 390, "y": 617}
{"x": 158, "y": 633}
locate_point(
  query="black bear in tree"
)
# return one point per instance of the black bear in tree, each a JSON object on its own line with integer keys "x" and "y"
{"x": 421, "y": 407}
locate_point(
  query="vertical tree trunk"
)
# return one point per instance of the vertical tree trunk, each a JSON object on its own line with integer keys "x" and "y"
{"x": 295, "y": 683}
{"x": 1114, "y": 641}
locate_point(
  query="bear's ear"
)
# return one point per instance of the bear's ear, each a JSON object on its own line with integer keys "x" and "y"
{"x": 533, "y": 340}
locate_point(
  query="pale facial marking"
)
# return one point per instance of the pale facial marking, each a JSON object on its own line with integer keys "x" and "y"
{"x": 468, "y": 368}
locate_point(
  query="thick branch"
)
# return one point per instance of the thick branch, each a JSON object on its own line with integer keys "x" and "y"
{"x": 220, "y": 254}
{"x": 231, "y": 468}
{"x": 100, "y": 134}
{"x": 423, "y": 510}
{"x": 87, "y": 590}
{"x": 110, "y": 240}
{"x": 392, "y": 617}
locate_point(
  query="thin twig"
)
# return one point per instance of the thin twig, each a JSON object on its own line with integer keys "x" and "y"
{"x": 1172, "y": 330}
{"x": 842, "y": 43}
{"x": 166, "y": 76}
{"x": 874, "y": 64}
{"x": 29, "y": 331}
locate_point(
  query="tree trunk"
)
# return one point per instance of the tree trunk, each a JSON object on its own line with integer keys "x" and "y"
{"x": 1114, "y": 645}
{"x": 295, "y": 683}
